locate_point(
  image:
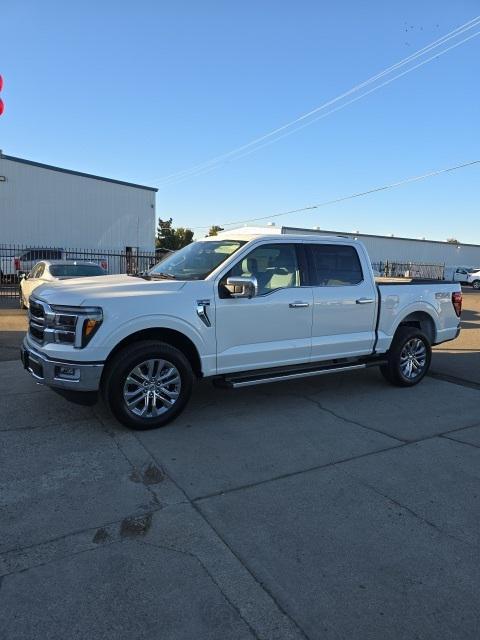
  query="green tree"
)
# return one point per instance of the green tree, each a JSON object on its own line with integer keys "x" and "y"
{"x": 170, "y": 238}
{"x": 214, "y": 230}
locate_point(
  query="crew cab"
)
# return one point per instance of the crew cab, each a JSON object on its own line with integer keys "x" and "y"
{"x": 241, "y": 308}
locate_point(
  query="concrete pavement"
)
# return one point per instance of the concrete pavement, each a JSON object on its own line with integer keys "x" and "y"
{"x": 335, "y": 508}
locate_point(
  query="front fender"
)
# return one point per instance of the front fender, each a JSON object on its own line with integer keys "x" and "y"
{"x": 108, "y": 337}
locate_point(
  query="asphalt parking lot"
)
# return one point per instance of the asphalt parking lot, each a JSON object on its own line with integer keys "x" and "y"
{"x": 337, "y": 508}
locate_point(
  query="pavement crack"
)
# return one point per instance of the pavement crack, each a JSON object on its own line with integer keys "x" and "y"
{"x": 409, "y": 510}
{"x": 262, "y": 585}
{"x": 468, "y": 444}
{"x": 347, "y": 420}
{"x": 55, "y": 559}
{"x": 196, "y": 558}
{"x": 150, "y": 476}
{"x": 292, "y": 474}
{"x": 294, "y": 623}
{"x": 93, "y": 537}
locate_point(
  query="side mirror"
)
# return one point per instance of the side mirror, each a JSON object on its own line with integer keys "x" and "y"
{"x": 248, "y": 286}
{"x": 23, "y": 275}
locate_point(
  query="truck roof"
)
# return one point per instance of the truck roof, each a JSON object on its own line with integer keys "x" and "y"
{"x": 253, "y": 233}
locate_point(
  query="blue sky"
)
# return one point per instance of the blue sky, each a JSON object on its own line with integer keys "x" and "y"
{"x": 136, "y": 91}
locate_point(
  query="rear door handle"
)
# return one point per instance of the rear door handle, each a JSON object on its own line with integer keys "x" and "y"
{"x": 365, "y": 300}
{"x": 298, "y": 305}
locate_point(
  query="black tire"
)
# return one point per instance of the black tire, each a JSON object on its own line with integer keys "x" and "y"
{"x": 125, "y": 362}
{"x": 394, "y": 370}
{"x": 22, "y": 301}
{"x": 476, "y": 284}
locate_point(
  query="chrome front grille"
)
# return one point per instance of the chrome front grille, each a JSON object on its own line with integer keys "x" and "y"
{"x": 49, "y": 324}
{"x": 36, "y": 321}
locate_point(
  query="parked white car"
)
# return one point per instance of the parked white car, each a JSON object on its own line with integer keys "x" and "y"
{"x": 51, "y": 270}
{"x": 240, "y": 308}
{"x": 458, "y": 274}
{"x": 474, "y": 279}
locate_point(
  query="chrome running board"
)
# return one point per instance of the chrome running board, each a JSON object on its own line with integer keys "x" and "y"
{"x": 239, "y": 380}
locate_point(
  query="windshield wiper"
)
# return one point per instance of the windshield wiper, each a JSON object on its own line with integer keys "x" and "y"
{"x": 162, "y": 276}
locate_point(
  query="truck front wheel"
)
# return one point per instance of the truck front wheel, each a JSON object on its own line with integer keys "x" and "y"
{"x": 147, "y": 384}
{"x": 408, "y": 358}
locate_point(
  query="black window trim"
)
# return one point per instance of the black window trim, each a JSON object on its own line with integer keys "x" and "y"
{"x": 313, "y": 271}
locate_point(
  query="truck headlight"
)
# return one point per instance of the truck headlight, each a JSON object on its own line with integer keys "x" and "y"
{"x": 74, "y": 325}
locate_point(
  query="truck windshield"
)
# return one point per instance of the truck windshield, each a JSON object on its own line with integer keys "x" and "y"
{"x": 195, "y": 261}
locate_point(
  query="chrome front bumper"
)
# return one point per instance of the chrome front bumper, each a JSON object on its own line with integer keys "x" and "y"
{"x": 75, "y": 376}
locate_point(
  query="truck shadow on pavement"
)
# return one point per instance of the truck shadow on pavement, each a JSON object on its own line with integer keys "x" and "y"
{"x": 470, "y": 319}
{"x": 457, "y": 366}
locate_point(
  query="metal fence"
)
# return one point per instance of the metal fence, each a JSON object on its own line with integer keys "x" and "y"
{"x": 395, "y": 269}
{"x": 16, "y": 259}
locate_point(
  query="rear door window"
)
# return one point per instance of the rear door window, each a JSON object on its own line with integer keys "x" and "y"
{"x": 334, "y": 265}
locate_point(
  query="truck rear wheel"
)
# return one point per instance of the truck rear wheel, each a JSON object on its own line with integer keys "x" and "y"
{"x": 408, "y": 358}
{"x": 147, "y": 384}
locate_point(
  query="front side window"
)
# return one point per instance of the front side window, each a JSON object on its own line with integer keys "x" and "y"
{"x": 195, "y": 261}
{"x": 274, "y": 266}
{"x": 335, "y": 265}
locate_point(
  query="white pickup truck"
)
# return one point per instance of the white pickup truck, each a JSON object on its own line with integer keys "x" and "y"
{"x": 241, "y": 308}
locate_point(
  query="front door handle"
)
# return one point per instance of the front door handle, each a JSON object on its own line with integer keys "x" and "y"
{"x": 298, "y": 305}
{"x": 365, "y": 300}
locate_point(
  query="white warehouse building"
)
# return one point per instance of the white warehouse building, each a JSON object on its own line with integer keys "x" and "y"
{"x": 405, "y": 250}
{"x": 42, "y": 205}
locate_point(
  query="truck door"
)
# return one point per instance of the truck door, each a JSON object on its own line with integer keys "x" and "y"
{"x": 344, "y": 302}
{"x": 274, "y": 327}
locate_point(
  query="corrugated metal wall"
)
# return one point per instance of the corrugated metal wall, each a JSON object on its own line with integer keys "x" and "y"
{"x": 381, "y": 248}
{"x": 45, "y": 207}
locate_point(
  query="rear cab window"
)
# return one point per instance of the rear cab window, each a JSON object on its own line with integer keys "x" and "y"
{"x": 334, "y": 265}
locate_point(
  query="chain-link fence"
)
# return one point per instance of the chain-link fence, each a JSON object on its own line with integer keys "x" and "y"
{"x": 16, "y": 260}
{"x": 415, "y": 270}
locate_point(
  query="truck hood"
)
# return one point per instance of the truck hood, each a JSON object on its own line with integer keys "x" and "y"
{"x": 95, "y": 290}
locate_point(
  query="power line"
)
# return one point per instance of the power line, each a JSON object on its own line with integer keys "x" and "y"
{"x": 247, "y": 148}
{"x": 360, "y": 194}
{"x": 342, "y": 106}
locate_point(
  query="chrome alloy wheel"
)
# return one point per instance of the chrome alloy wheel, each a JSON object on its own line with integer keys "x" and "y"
{"x": 152, "y": 388}
{"x": 413, "y": 358}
